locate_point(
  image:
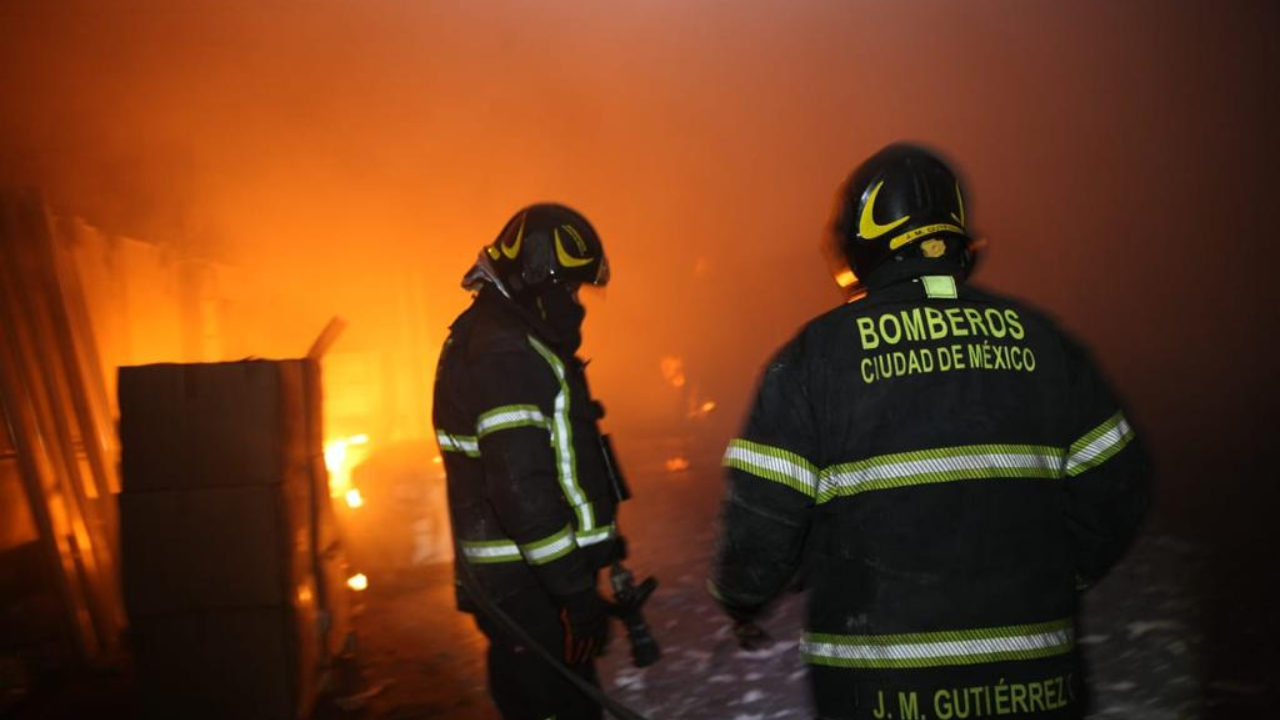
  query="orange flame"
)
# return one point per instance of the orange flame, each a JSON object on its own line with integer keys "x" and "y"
{"x": 341, "y": 456}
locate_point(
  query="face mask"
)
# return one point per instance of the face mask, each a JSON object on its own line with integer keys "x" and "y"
{"x": 564, "y": 314}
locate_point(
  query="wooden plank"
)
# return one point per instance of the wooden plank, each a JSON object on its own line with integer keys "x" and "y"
{"x": 97, "y": 426}
{"x": 51, "y": 357}
{"x": 36, "y": 466}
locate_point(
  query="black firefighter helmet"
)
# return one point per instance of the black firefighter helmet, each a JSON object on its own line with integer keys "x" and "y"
{"x": 902, "y": 199}
{"x": 548, "y": 244}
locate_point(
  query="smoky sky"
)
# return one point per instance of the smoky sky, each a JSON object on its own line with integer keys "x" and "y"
{"x": 1120, "y": 159}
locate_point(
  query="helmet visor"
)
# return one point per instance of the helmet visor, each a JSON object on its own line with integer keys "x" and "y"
{"x": 602, "y": 273}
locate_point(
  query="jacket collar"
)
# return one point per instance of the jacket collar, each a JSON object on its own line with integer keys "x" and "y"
{"x": 898, "y": 272}
{"x": 492, "y": 299}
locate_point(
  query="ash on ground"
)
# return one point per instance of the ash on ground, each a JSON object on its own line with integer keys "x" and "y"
{"x": 1141, "y": 633}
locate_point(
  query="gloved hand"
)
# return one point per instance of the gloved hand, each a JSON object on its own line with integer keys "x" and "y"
{"x": 749, "y": 635}
{"x": 739, "y": 614}
{"x": 586, "y": 625}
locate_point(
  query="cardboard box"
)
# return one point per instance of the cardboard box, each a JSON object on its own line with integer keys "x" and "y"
{"x": 230, "y": 547}
{"x": 245, "y": 664}
{"x": 212, "y": 424}
{"x": 234, "y": 577}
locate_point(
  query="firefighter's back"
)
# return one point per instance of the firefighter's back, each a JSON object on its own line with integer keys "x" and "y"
{"x": 944, "y": 573}
{"x": 949, "y": 464}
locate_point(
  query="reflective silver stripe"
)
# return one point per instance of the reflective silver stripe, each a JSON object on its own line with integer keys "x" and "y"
{"x": 509, "y": 416}
{"x": 597, "y": 536}
{"x": 489, "y": 551}
{"x": 538, "y": 552}
{"x": 772, "y": 463}
{"x": 465, "y": 444}
{"x": 562, "y": 441}
{"x": 921, "y": 467}
{"x": 1099, "y": 444}
{"x": 940, "y": 649}
{"x": 544, "y": 551}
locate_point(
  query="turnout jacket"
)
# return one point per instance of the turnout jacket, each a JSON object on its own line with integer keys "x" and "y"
{"x": 953, "y": 469}
{"x": 529, "y": 495}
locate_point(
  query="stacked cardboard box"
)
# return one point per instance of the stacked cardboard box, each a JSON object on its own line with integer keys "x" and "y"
{"x": 229, "y": 560}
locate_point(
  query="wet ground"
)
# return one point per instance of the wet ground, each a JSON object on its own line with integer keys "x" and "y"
{"x": 1175, "y": 632}
{"x": 1142, "y": 632}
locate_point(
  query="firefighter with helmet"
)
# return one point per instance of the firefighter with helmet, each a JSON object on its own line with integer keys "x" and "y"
{"x": 942, "y": 466}
{"x": 529, "y": 496}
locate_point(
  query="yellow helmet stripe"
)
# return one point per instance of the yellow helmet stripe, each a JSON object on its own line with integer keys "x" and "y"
{"x": 868, "y": 228}
{"x": 565, "y": 258}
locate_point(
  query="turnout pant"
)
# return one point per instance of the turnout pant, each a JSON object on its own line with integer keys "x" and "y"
{"x": 523, "y": 685}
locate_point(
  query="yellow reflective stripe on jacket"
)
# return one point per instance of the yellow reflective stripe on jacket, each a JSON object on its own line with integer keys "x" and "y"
{"x": 939, "y": 465}
{"x": 940, "y": 649}
{"x": 505, "y": 417}
{"x": 538, "y": 552}
{"x": 489, "y": 551}
{"x": 541, "y": 552}
{"x": 772, "y": 463}
{"x": 1099, "y": 445}
{"x": 467, "y": 444}
{"x": 597, "y": 536}
{"x": 562, "y": 442}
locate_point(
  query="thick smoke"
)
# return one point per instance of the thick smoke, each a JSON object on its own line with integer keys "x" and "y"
{"x": 1119, "y": 158}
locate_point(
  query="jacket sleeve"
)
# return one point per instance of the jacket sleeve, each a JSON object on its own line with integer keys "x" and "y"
{"x": 517, "y": 397}
{"x": 772, "y": 488}
{"x": 1107, "y": 482}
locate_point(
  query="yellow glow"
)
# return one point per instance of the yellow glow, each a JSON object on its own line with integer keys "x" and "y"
{"x": 341, "y": 456}
{"x": 700, "y": 409}
{"x": 846, "y": 278}
{"x": 358, "y": 582}
{"x": 676, "y": 464}
{"x": 437, "y": 460}
{"x": 354, "y": 498}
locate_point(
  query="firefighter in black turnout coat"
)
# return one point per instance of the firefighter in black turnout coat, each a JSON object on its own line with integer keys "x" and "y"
{"x": 529, "y": 496}
{"x": 949, "y": 468}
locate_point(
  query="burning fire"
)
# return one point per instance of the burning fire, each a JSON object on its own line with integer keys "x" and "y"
{"x": 678, "y": 463}
{"x": 358, "y": 582}
{"x": 341, "y": 455}
{"x": 354, "y": 498}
